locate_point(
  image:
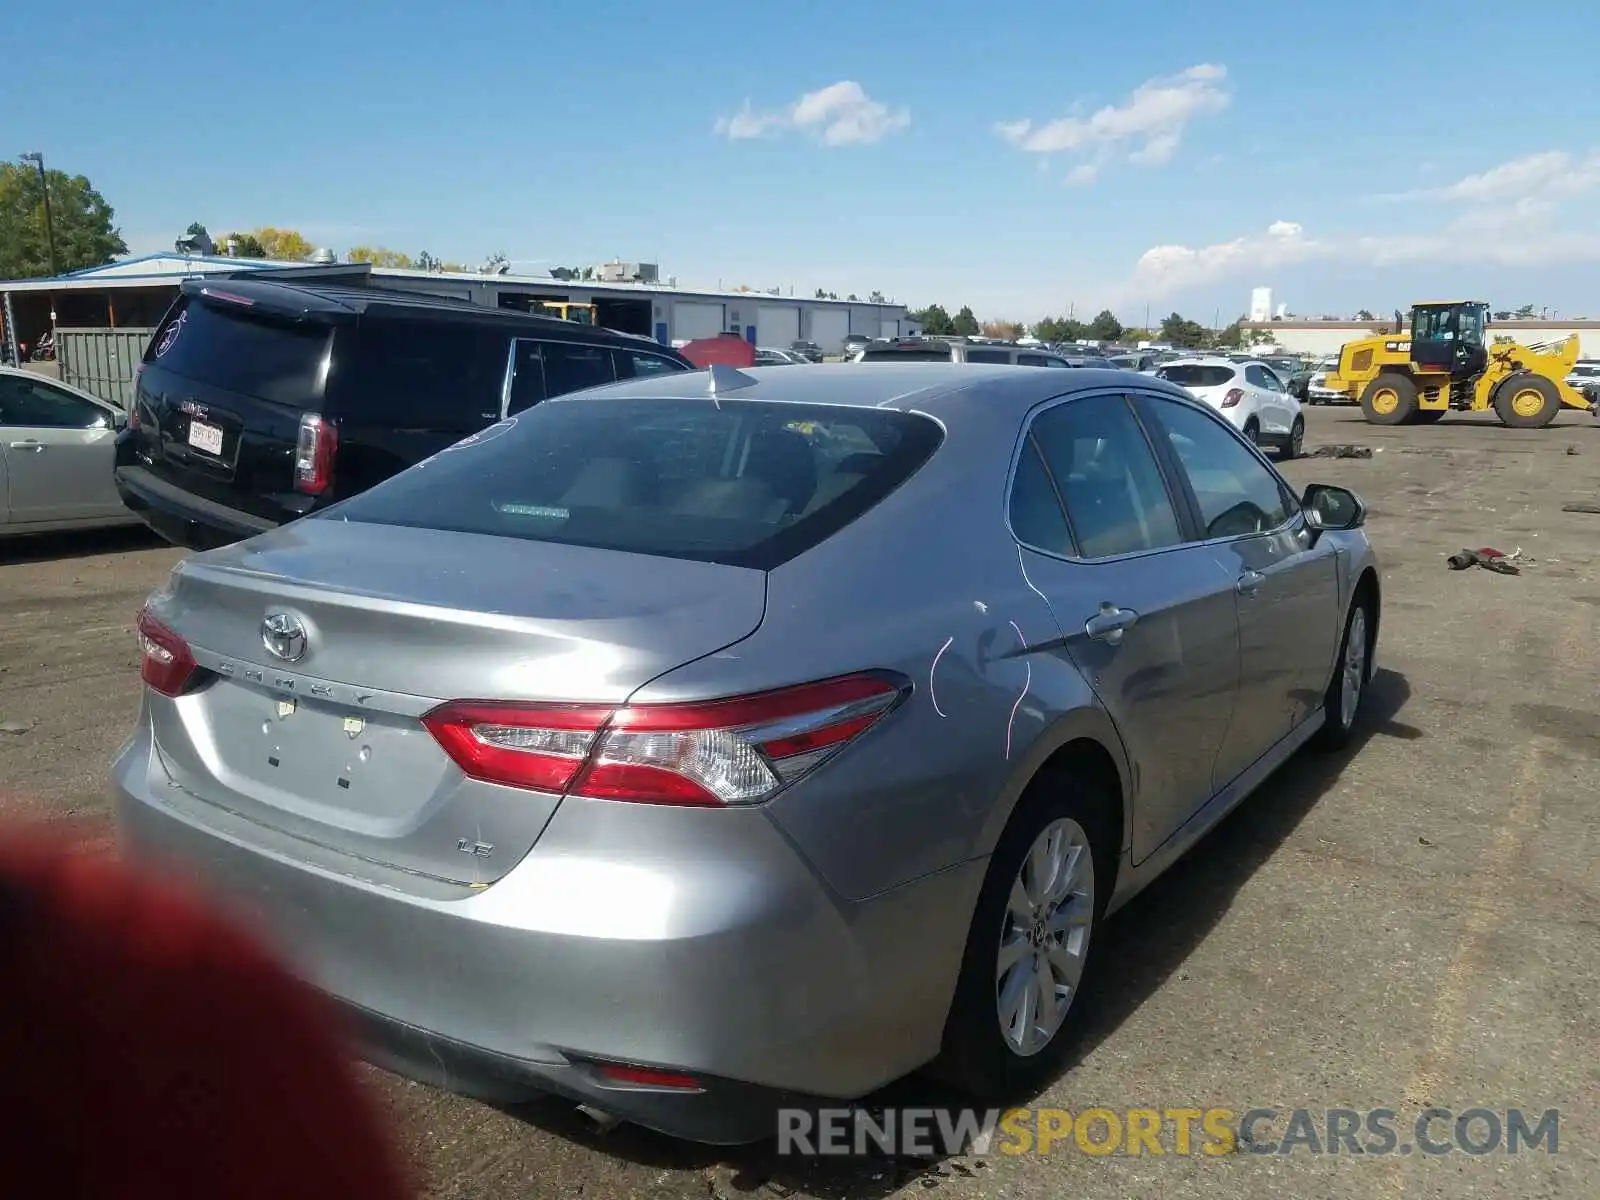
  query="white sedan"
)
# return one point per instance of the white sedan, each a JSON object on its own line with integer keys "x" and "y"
{"x": 1248, "y": 394}
{"x": 57, "y": 452}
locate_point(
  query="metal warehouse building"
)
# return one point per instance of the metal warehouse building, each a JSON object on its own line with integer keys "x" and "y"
{"x": 102, "y": 317}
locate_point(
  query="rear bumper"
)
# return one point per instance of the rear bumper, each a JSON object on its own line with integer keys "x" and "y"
{"x": 693, "y": 941}
{"x": 181, "y": 517}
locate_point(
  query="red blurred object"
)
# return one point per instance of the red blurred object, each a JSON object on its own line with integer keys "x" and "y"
{"x": 728, "y": 349}
{"x": 149, "y": 1050}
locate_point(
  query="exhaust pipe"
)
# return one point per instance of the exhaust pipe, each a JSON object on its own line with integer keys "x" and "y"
{"x": 601, "y": 1122}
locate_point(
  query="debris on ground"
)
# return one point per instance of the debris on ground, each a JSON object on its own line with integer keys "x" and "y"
{"x": 1582, "y": 506}
{"x": 1488, "y": 558}
{"x": 1572, "y": 450}
{"x": 15, "y": 726}
{"x": 1340, "y": 451}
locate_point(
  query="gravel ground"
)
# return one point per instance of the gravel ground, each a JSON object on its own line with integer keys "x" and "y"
{"x": 1411, "y": 923}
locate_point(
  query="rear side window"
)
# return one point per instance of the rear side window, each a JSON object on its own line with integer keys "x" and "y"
{"x": 988, "y": 356}
{"x": 941, "y": 354}
{"x": 742, "y": 483}
{"x": 242, "y": 351}
{"x": 1197, "y": 375}
{"x": 409, "y": 374}
{"x": 635, "y": 364}
{"x": 544, "y": 369}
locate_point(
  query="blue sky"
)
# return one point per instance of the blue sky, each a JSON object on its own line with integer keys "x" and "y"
{"x": 1023, "y": 160}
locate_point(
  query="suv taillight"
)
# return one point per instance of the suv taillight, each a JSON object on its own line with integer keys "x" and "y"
{"x": 1233, "y": 397}
{"x": 165, "y": 661}
{"x": 314, "y": 454}
{"x": 719, "y": 752}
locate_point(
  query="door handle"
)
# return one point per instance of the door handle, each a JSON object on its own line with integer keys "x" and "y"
{"x": 31, "y": 444}
{"x": 1250, "y": 583}
{"x": 1110, "y": 623}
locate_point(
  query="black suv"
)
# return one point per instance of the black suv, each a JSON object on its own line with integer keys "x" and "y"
{"x": 259, "y": 402}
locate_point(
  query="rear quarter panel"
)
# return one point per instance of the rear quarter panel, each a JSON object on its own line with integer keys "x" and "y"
{"x": 928, "y": 585}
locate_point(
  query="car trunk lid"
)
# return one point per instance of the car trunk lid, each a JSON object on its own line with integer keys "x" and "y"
{"x": 330, "y": 747}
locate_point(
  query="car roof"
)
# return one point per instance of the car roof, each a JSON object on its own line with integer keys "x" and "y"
{"x": 935, "y": 388}
{"x": 333, "y": 301}
{"x": 1211, "y": 360}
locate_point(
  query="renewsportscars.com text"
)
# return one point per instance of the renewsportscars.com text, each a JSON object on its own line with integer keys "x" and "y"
{"x": 1178, "y": 1131}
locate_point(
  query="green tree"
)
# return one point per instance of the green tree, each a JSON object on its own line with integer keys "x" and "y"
{"x": 1105, "y": 327}
{"x": 1231, "y": 335}
{"x": 1180, "y": 331}
{"x": 1365, "y": 315}
{"x": 876, "y": 298}
{"x": 283, "y": 245}
{"x": 85, "y": 234}
{"x": 1059, "y": 329}
{"x": 853, "y": 298}
{"x": 965, "y": 323}
{"x": 249, "y": 246}
{"x": 933, "y": 319}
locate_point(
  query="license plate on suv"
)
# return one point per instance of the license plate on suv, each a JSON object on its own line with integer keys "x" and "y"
{"x": 205, "y": 436}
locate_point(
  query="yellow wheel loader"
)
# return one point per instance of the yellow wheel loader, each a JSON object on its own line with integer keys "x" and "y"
{"x": 1446, "y": 362}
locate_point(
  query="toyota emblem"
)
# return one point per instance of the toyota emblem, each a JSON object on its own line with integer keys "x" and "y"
{"x": 284, "y": 636}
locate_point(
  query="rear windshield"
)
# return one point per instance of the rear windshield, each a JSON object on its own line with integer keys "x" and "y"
{"x": 988, "y": 356}
{"x": 249, "y": 353}
{"x": 744, "y": 483}
{"x": 916, "y": 354}
{"x": 1197, "y": 375}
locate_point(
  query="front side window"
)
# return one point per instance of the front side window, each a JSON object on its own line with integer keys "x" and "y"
{"x": 29, "y": 404}
{"x": 1238, "y": 494}
{"x": 741, "y": 482}
{"x": 1106, "y": 474}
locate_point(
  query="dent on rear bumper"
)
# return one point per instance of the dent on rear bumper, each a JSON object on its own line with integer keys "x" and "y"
{"x": 691, "y": 939}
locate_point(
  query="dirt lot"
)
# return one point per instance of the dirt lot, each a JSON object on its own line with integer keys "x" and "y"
{"x": 1416, "y": 922}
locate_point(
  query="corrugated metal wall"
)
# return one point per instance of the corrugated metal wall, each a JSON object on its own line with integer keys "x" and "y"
{"x": 102, "y": 361}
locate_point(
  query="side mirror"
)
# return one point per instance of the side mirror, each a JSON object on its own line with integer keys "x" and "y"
{"x": 1330, "y": 507}
{"x": 119, "y": 419}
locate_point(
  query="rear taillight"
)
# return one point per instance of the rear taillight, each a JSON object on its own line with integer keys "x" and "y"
{"x": 314, "y": 454}
{"x": 1233, "y": 397}
{"x": 165, "y": 662}
{"x": 735, "y": 751}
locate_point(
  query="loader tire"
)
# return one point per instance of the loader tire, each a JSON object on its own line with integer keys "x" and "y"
{"x": 1526, "y": 401}
{"x": 1389, "y": 399}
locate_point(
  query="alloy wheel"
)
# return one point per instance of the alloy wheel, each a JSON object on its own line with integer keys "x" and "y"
{"x": 1044, "y": 937}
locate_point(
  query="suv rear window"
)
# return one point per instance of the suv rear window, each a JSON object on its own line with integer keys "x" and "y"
{"x": 275, "y": 360}
{"x": 742, "y": 483}
{"x": 909, "y": 354}
{"x": 989, "y": 356}
{"x": 1197, "y": 375}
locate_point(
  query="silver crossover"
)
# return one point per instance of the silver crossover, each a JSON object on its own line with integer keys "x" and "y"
{"x": 686, "y": 744}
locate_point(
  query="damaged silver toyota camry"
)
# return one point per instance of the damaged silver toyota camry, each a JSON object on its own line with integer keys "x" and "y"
{"x": 703, "y": 743}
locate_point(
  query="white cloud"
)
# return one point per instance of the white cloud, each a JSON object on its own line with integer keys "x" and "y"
{"x": 841, "y": 114}
{"x": 1083, "y": 173}
{"x": 1149, "y": 126}
{"x": 1508, "y": 215}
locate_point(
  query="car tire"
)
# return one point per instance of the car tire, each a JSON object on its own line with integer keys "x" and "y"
{"x": 1294, "y": 445}
{"x": 983, "y": 1055}
{"x": 1390, "y": 399}
{"x": 1252, "y": 431}
{"x": 1347, "y": 690}
{"x": 1526, "y": 401}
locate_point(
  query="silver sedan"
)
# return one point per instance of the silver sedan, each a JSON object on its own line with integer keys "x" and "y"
{"x": 691, "y": 743}
{"x": 57, "y": 446}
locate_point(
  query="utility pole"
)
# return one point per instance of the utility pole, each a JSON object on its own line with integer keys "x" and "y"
{"x": 37, "y": 159}
{"x": 1147, "y": 318}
